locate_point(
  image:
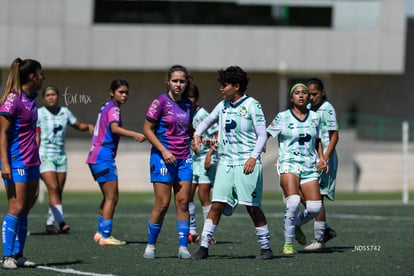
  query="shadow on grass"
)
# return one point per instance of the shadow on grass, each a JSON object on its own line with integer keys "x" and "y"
{"x": 62, "y": 263}
{"x": 334, "y": 249}
{"x": 136, "y": 242}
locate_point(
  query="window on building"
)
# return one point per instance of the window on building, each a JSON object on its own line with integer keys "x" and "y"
{"x": 210, "y": 13}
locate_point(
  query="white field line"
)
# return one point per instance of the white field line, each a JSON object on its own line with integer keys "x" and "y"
{"x": 72, "y": 271}
{"x": 268, "y": 214}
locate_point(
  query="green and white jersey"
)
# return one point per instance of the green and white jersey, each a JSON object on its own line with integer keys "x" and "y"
{"x": 53, "y": 130}
{"x": 237, "y": 135}
{"x": 327, "y": 115}
{"x": 199, "y": 115}
{"x": 297, "y": 138}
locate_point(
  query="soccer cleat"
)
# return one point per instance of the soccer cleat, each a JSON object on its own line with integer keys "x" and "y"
{"x": 213, "y": 241}
{"x": 299, "y": 236}
{"x": 64, "y": 228}
{"x": 24, "y": 262}
{"x": 328, "y": 234}
{"x": 97, "y": 237}
{"x": 265, "y": 254}
{"x": 51, "y": 230}
{"x": 183, "y": 253}
{"x": 288, "y": 249}
{"x": 149, "y": 252}
{"x": 316, "y": 245}
{"x": 193, "y": 238}
{"x": 202, "y": 253}
{"x": 9, "y": 263}
{"x": 110, "y": 241}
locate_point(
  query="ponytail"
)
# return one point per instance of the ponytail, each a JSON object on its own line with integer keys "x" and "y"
{"x": 20, "y": 71}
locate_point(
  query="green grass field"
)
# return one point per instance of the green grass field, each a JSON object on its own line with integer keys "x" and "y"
{"x": 374, "y": 238}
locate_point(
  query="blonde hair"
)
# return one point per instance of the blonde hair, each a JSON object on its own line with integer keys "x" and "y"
{"x": 18, "y": 75}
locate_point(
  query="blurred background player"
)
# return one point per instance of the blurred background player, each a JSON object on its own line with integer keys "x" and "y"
{"x": 168, "y": 128}
{"x": 101, "y": 158}
{"x": 204, "y": 166}
{"x": 19, "y": 156}
{"x": 297, "y": 130}
{"x": 327, "y": 179}
{"x": 239, "y": 177}
{"x": 50, "y": 137}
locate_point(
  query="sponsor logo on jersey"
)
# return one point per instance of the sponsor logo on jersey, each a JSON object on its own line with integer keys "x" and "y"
{"x": 230, "y": 124}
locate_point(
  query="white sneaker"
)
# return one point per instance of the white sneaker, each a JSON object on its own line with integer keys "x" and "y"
{"x": 316, "y": 245}
{"x": 23, "y": 262}
{"x": 149, "y": 252}
{"x": 183, "y": 253}
{"x": 9, "y": 263}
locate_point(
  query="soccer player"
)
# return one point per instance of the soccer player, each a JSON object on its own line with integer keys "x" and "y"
{"x": 298, "y": 131}
{"x": 50, "y": 137}
{"x": 167, "y": 127}
{"x": 19, "y": 156}
{"x": 239, "y": 176}
{"x": 327, "y": 180}
{"x": 204, "y": 166}
{"x": 101, "y": 158}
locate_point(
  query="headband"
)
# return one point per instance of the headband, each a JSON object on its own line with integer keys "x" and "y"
{"x": 296, "y": 85}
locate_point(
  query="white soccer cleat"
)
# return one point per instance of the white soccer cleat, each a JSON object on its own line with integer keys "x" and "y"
{"x": 316, "y": 245}
{"x": 149, "y": 252}
{"x": 183, "y": 253}
{"x": 9, "y": 263}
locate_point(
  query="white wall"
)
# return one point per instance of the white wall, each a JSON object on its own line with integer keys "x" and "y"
{"x": 367, "y": 37}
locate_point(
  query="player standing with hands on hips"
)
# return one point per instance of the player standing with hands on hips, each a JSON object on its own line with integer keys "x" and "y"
{"x": 239, "y": 177}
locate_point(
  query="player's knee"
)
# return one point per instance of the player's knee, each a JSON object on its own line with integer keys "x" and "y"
{"x": 314, "y": 207}
{"x": 292, "y": 203}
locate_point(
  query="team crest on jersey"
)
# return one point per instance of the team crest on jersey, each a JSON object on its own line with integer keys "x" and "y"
{"x": 243, "y": 112}
{"x": 155, "y": 103}
{"x": 11, "y": 97}
{"x": 313, "y": 122}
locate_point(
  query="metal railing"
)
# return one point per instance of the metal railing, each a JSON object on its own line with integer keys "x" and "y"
{"x": 375, "y": 127}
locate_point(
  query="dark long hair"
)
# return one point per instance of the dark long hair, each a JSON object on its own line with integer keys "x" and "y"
{"x": 188, "y": 78}
{"x": 318, "y": 83}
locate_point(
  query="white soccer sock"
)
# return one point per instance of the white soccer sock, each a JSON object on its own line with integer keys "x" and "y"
{"x": 50, "y": 217}
{"x": 193, "y": 221}
{"x": 208, "y": 233}
{"x": 205, "y": 211}
{"x": 319, "y": 229}
{"x": 292, "y": 207}
{"x": 263, "y": 236}
{"x": 313, "y": 207}
{"x": 57, "y": 211}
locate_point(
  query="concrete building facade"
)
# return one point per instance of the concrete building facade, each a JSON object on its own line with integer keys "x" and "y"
{"x": 363, "y": 57}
